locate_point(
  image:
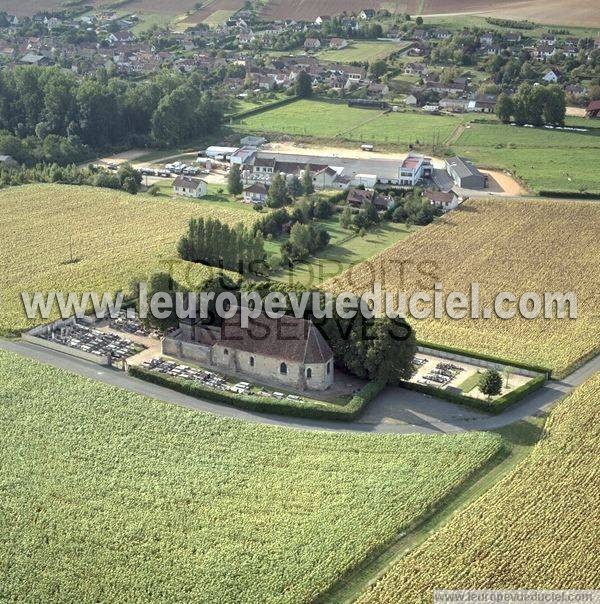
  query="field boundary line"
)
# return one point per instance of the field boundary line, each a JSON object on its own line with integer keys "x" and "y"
{"x": 455, "y": 134}
{"x": 357, "y": 581}
{"x": 368, "y": 121}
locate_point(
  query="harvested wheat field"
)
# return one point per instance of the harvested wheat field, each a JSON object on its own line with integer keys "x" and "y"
{"x": 533, "y": 530}
{"x": 30, "y": 7}
{"x": 504, "y": 246}
{"x": 111, "y": 236}
{"x": 575, "y": 12}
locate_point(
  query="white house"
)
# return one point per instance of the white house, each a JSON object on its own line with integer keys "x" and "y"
{"x": 190, "y": 187}
{"x": 414, "y": 167}
{"x": 326, "y": 177}
{"x": 552, "y": 76}
{"x": 446, "y": 201}
{"x": 122, "y": 36}
{"x": 256, "y": 193}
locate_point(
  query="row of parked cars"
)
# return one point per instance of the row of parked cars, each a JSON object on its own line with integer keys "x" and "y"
{"x": 166, "y": 172}
{"x": 181, "y": 168}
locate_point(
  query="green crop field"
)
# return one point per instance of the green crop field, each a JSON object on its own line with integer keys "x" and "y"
{"x": 327, "y": 120}
{"x": 108, "y": 496}
{"x": 113, "y": 236}
{"x": 218, "y": 17}
{"x": 362, "y": 51}
{"x": 533, "y": 530}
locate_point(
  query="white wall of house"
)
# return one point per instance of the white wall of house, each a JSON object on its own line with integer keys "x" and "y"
{"x": 191, "y": 192}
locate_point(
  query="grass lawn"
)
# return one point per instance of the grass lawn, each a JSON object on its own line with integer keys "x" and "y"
{"x": 217, "y": 196}
{"x": 542, "y": 169}
{"x": 406, "y": 128}
{"x": 497, "y": 135}
{"x": 252, "y": 102}
{"x": 361, "y": 51}
{"x": 344, "y": 251}
{"x": 470, "y": 383}
{"x": 544, "y": 158}
{"x": 115, "y": 237}
{"x": 149, "y": 19}
{"x": 218, "y": 17}
{"x": 109, "y": 496}
{"x": 328, "y": 120}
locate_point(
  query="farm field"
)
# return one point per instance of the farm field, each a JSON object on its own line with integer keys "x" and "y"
{"x": 218, "y": 17}
{"x": 554, "y": 247}
{"x": 494, "y": 135}
{"x": 580, "y": 12}
{"x": 115, "y": 236}
{"x": 549, "y": 168}
{"x": 150, "y": 501}
{"x": 322, "y": 119}
{"x": 212, "y": 12}
{"x": 534, "y": 529}
{"x": 361, "y": 51}
{"x": 344, "y": 251}
{"x": 545, "y": 158}
{"x": 310, "y": 9}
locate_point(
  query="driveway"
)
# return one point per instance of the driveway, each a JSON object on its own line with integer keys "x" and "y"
{"x": 395, "y": 411}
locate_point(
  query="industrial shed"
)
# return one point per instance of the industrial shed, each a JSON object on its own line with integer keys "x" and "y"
{"x": 465, "y": 174}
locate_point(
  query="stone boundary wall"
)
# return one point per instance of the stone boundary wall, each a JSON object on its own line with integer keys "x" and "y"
{"x": 33, "y": 336}
{"x": 172, "y": 346}
{"x": 453, "y": 356}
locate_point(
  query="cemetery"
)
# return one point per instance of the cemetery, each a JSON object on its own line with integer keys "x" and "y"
{"x": 79, "y": 337}
{"x": 211, "y": 379}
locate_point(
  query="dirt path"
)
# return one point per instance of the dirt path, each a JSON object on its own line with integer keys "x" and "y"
{"x": 330, "y": 150}
{"x": 121, "y": 158}
{"x": 504, "y": 184}
{"x": 455, "y": 135}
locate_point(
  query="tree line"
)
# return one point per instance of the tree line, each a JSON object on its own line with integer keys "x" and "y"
{"x": 535, "y": 105}
{"x": 215, "y": 243}
{"x": 49, "y": 115}
{"x": 126, "y": 178}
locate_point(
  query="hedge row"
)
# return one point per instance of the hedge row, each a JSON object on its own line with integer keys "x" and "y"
{"x": 486, "y": 357}
{"x": 262, "y": 108}
{"x": 569, "y": 194}
{"x": 496, "y": 406}
{"x": 312, "y": 409}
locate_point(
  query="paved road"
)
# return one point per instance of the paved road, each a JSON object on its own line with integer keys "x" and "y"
{"x": 396, "y": 410}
